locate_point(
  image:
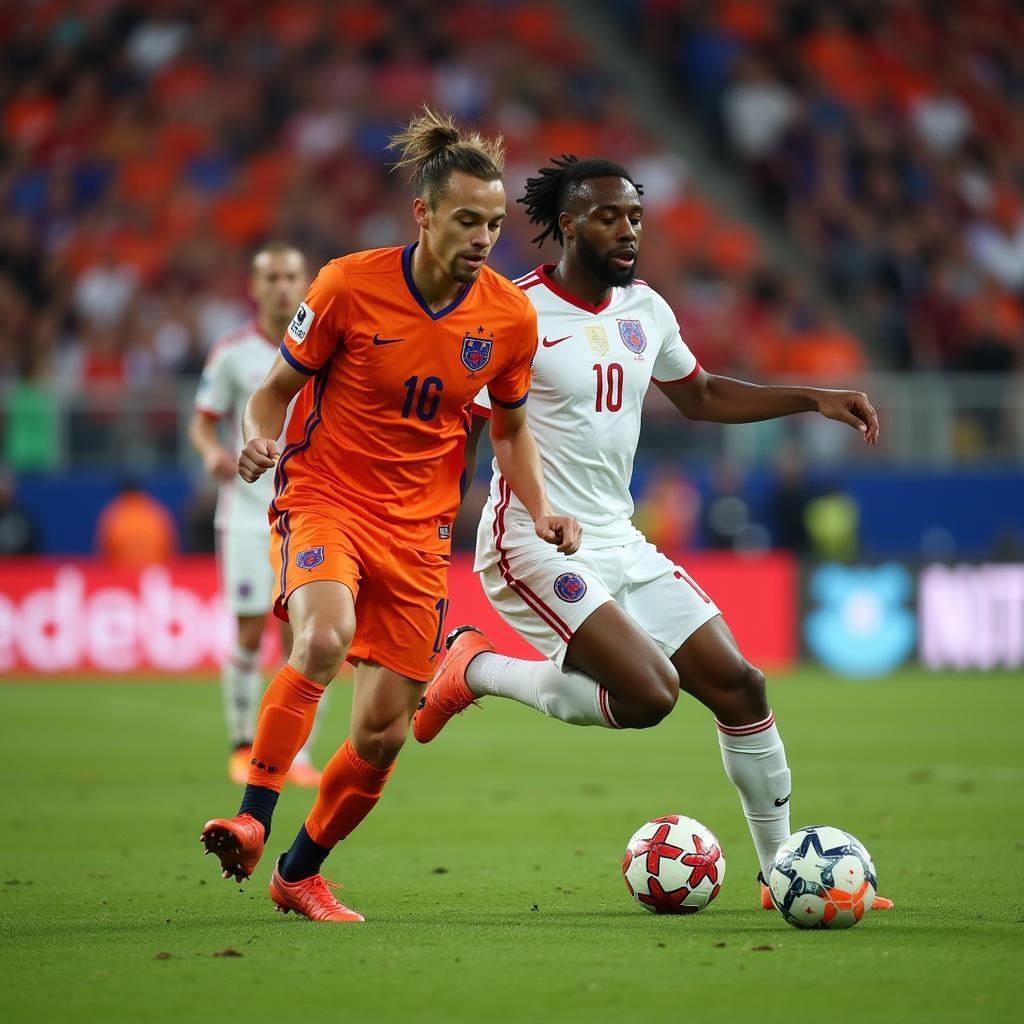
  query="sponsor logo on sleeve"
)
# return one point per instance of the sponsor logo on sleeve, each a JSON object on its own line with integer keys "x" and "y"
{"x": 301, "y": 323}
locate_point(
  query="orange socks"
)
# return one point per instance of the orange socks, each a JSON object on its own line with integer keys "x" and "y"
{"x": 349, "y": 789}
{"x": 286, "y": 718}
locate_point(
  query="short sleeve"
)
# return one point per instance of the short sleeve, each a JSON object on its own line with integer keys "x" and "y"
{"x": 675, "y": 362}
{"x": 318, "y": 326}
{"x": 214, "y": 394}
{"x": 512, "y": 385}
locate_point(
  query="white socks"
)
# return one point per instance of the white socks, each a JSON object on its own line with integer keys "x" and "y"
{"x": 565, "y": 694}
{"x": 753, "y": 755}
{"x": 755, "y": 761}
{"x": 241, "y": 684}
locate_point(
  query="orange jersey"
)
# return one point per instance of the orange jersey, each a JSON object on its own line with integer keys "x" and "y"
{"x": 381, "y": 427}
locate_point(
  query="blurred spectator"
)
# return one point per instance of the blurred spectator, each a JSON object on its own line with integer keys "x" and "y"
{"x": 789, "y": 504}
{"x": 152, "y": 147}
{"x": 135, "y": 530}
{"x": 887, "y": 135}
{"x": 32, "y": 420}
{"x": 727, "y": 519}
{"x": 668, "y": 511}
{"x": 833, "y": 525}
{"x": 18, "y": 535}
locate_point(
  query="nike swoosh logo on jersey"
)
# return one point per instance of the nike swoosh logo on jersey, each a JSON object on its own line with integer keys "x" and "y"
{"x": 378, "y": 340}
{"x": 554, "y": 341}
{"x": 783, "y": 801}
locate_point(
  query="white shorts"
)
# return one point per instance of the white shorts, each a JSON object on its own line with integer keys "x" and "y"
{"x": 546, "y": 596}
{"x": 246, "y": 577}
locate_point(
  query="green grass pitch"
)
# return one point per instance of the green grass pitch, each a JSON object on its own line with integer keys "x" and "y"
{"x": 489, "y": 874}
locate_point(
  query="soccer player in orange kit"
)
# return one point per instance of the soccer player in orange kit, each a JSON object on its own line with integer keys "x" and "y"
{"x": 389, "y": 349}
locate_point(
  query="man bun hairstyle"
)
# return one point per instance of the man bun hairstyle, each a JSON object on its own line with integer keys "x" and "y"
{"x": 432, "y": 147}
{"x": 546, "y": 195}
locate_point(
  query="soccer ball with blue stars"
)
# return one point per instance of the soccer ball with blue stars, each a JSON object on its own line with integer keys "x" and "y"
{"x": 822, "y": 877}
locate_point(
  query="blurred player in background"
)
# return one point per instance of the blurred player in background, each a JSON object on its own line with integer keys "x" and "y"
{"x": 236, "y": 366}
{"x": 388, "y": 349}
{"x": 622, "y": 625}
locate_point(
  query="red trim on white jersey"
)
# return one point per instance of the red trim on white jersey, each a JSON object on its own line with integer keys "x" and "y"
{"x": 208, "y": 412}
{"x": 747, "y": 730}
{"x": 544, "y": 273}
{"x": 529, "y": 598}
{"x": 693, "y": 373}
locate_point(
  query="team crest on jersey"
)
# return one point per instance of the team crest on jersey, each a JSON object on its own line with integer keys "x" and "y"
{"x": 570, "y": 587}
{"x": 632, "y": 335}
{"x": 310, "y": 558}
{"x": 476, "y": 352}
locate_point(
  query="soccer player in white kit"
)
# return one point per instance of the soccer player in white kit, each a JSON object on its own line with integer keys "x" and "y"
{"x": 234, "y": 369}
{"x": 622, "y": 625}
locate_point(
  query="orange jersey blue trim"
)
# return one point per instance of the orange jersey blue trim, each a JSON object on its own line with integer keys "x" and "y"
{"x": 381, "y": 427}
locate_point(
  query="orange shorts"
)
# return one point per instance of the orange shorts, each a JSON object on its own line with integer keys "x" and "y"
{"x": 401, "y": 594}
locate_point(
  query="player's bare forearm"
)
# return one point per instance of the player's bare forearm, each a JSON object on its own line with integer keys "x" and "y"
{"x": 718, "y": 399}
{"x": 264, "y": 414}
{"x": 263, "y": 419}
{"x": 519, "y": 460}
{"x": 204, "y": 436}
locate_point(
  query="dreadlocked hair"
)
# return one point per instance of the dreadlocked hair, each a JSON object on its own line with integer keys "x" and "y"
{"x": 432, "y": 146}
{"x": 545, "y": 196}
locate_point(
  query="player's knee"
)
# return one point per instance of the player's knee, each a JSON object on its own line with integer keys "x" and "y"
{"x": 743, "y": 686}
{"x": 250, "y": 632}
{"x": 656, "y": 697}
{"x": 380, "y": 742}
{"x": 319, "y": 649}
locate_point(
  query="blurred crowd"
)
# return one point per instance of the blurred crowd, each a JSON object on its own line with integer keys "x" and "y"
{"x": 888, "y": 137}
{"x": 146, "y": 147}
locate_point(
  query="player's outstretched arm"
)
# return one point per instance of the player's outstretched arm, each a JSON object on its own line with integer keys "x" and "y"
{"x": 263, "y": 419}
{"x": 706, "y": 396}
{"x": 519, "y": 463}
{"x": 204, "y": 437}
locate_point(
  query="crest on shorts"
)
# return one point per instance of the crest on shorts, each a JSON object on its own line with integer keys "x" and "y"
{"x": 632, "y": 335}
{"x": 476, "y": 352}
{"x": 570, "y": 587}
{"x": 310, "y": 558}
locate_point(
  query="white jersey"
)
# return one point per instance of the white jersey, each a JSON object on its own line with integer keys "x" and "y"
{"x": 592, "y": 369}
{"x": 234, "y": 369}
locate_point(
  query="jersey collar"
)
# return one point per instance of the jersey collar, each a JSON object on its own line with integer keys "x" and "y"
{"x": 258, "y": 330}
{"x": 415, "y": 292}
{"x": 544, "y": 273}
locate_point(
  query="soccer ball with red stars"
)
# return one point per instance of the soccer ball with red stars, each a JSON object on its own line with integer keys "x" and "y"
{"x": 673, "y": 865}
{"x": 822, "y": 877}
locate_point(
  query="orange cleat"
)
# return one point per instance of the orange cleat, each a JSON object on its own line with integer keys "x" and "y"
{"x": 310, "y": 897}
{"x": 448, "y": 693}
{"x": 879, "y": 902}
{"x": 302, "y": 773}
{"x": 238, "y": 842}
{"x": 238, "y": 765}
